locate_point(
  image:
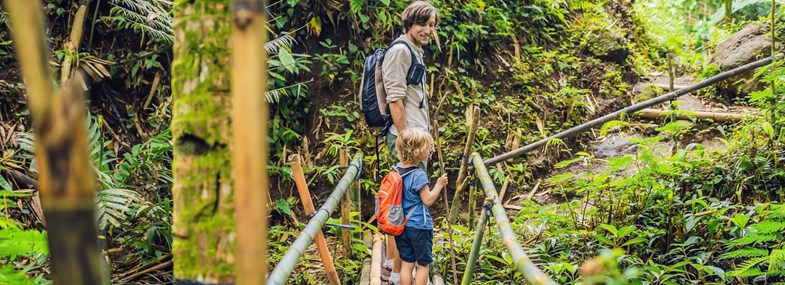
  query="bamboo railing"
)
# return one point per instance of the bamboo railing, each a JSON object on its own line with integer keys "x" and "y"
{"x": 285, "y": 267}
{"x": 631, "y": 109}
{"x": 521, "y": 260}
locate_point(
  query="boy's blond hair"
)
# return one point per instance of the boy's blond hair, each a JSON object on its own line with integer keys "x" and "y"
{"x": 412, "y": 143}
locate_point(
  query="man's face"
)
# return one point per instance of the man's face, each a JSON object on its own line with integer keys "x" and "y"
{"x": 420, "y": 34}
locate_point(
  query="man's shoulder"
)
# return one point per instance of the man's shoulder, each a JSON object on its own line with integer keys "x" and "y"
{"x": 398, "y": 49}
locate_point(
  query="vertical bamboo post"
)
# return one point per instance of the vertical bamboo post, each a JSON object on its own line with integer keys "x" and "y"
{"x": 671, "y": 73}
{"x": 476, "y": 245}
{"x": 728, "y": 12}
{"x": 305, "y": 197}
{"x": 346, "y": 206}
{"x": 75, "y": 40}
{"x": 376, "y": 260}
{"x": 65, "y": 176}
{"x": 445, "y": 193}
{"x": 457, "y": 199}
{"x": 250, "y": 150}
{"x": 773, "y": 52}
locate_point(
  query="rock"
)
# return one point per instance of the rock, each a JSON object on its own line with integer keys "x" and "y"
{"x": 749, "y": 44}
{"x": 608, "y": 44}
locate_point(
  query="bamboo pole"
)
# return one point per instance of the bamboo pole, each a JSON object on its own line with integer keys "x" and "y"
{"x": 365, "y": 274}
{"x": 729, "y": 11}
{"x": 72, "y": 46}
{"x": 346, "y": 208}
{"x": 773, "y": 52}
{"x": 376, "y": 260}
{"x": 461, "y": 185}
{"x": 285, "y": 267}
{"x": 521, "y": 260}
{"x": 446, "y": 204}
{"x": 66, "y": 181}
{"x": 305, "y": 197}
{"x": 631, "y": 109}
{"x": 684, "y": 114}
{"x": 476, "y": 245}
{"x": 250, "y": 149}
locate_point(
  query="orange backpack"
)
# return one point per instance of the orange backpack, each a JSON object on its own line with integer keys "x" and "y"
{"x": 389, "y": 203}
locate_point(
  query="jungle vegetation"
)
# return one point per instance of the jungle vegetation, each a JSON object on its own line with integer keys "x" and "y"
{"x": 667, "y": 210}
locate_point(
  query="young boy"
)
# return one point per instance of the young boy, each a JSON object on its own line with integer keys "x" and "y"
{"x": 415, "y": 244}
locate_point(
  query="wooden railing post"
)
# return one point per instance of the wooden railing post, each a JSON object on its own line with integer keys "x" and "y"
{"x": 305, "y": 197}
{"x": 346, "y": 208}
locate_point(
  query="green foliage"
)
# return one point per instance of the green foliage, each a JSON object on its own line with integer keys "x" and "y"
{"x": 150, "y": 18}
{"x": 17, "y": 244}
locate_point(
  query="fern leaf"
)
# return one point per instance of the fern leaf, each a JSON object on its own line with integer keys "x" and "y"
{"x": 752, "y": 239}
{"x": 748, "y": 268}
{"x": 113, "y": 205}
{"x": 769, "y": 226}
{"x": 776, "y": 260}
{"x": 285, "y": 40}
{"x": 612, "y": 124}
{"x": 746, "y": 252}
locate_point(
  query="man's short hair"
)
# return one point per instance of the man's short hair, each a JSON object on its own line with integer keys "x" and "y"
{"x": 419, "y": 12}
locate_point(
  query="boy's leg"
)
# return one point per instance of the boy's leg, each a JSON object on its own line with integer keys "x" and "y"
{"x": 422, "y": 274}
{"x": 406, "y": 273}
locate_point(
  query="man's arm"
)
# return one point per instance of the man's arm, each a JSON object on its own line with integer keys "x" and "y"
{"x": 398, "y": 115}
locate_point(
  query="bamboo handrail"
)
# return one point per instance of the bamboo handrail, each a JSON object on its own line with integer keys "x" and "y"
{"x": 305, "y": 197}
{"x": 285, "y": 267}
{"x": 376, "y": 259}
{"x": 251, "y": 151}
{"x": 628, "y": 110}
{"x": 521, "y": 260}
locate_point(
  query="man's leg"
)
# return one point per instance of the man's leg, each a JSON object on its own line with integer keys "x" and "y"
{"x": 406, "y": 273}
{"x": 392, "y": 257}
{"x": 392, "y": 250}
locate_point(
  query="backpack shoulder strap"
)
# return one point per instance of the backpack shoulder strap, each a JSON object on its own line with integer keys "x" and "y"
{"x": 399, "y": 41}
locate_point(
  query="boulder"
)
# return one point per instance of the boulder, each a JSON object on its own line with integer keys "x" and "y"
{"x": 608, "y": 44}
{"x": 749, "y": 44}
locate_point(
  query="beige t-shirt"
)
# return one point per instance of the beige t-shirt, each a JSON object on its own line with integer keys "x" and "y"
{"x": 396, "y": 64}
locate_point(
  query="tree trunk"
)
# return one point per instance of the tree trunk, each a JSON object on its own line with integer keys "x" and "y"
{"x": 202, "y": 191}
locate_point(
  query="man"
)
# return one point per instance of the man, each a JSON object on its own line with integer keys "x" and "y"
{"x": 406, "y": 92}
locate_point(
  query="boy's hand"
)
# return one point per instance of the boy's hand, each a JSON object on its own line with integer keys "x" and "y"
{"x": 442, "y": 181}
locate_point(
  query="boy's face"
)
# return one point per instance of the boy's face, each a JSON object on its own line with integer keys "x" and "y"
{"x": 421, "y": 34}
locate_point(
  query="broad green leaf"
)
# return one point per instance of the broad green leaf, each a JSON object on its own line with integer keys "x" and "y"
{"x": 625, "y": 231}
{"x": 604, "y": 240}
{"x": 610, "y": 229}
{"x": 740, "y": 220}
{"x": 636, "y": 240}
{"x": 286, "y": 59}
{"x": 768, "y": 129}
{"x": 4, "y": 185}
{"x": 283, "y": 206}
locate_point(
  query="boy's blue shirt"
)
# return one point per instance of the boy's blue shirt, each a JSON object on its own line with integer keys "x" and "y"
{"x": 412, "y": 183}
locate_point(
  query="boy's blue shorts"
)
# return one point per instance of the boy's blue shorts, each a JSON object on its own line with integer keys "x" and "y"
{"x": 415, "y": 246}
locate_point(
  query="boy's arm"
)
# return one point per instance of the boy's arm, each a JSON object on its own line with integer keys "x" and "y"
{"x": 428, "y": 196}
